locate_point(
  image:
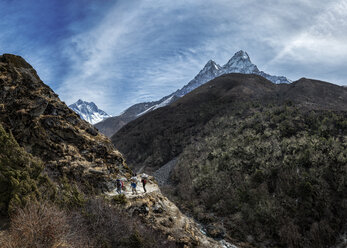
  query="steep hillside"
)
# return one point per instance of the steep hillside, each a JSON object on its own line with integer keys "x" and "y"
{"x": 239, "y": 63}
{"x": 47, "y": 128}
{"x": 265, "y": 163}
{"x": 159, "y": 136}
{"x": 20, "y": 174}
{"x": 273, "y": 175}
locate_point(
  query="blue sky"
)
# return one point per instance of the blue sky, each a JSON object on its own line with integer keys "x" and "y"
{"x": 118, "y": 53}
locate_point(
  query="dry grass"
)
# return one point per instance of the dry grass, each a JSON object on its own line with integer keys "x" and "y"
{"x": 41, "y": 225}
{"x": 97, "y": 224}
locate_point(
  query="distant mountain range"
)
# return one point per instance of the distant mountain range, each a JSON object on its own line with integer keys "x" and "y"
{"x": 88, "y": 111}
{"x": 239, "y": 63}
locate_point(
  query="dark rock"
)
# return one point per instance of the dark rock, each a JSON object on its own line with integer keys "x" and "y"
{"x": 141, "y": 210}
{"x": 92, "y": 131}
{"x": 97, "y": 172}
{"x": 167, "y": 222}
{"x": 157, "y": 208}
{"x": 215, "y": 231}
{"x": 15, "y": 61}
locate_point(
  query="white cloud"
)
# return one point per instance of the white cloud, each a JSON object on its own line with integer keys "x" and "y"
{"x": 323, "y": 38}
{"x": 143, "y": 50}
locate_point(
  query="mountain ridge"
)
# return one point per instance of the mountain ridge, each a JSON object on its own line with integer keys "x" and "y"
{"x": 239, "y": 63}
{"x": 266, "y": 160}
{"x": 228, "y": 88}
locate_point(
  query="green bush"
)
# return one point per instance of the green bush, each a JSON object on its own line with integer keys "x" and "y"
{"x": 119, "y": 199}
{"x": 20, "y": 174}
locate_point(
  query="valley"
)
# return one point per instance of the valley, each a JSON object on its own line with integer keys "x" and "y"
{"x": 237, "y": 162}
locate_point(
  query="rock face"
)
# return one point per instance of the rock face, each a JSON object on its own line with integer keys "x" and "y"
{"x": 48, "y": 129}
{"x": 239, "y": 63}
{"x": 88, "y": 111}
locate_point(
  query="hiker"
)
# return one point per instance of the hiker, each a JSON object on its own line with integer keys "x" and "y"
{"x": 144, "y": 181}
{"x": 133, "y": 185}
{"x": 119, "y": 185}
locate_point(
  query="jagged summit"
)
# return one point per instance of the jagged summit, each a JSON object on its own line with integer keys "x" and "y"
{"x": 239, "y": 63}
{"x": 211, "y": 65}
{"x": 242, "y": 54}
{"x": 88, "y": 111}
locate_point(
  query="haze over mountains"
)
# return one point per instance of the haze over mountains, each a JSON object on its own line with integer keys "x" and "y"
{"x": 239, "y": 63}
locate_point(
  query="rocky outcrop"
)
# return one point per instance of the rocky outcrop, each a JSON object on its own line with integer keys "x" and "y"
{"x": 48, "y": 129}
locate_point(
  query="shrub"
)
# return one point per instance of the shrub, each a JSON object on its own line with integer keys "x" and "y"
{"x": 20, "y": 175}
{"x": 41, "y": 225}
{"x": 119, "y": 199}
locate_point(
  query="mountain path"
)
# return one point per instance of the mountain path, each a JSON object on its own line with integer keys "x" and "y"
{"x": 150, "y": 187}
{"x": 165, "y": 215}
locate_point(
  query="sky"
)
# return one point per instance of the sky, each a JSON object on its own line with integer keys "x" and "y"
{"x": 118, "y": 53}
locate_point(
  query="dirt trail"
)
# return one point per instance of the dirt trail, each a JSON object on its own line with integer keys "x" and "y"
{"x": 160, "y": 213}
{"x": 150, "y": 187}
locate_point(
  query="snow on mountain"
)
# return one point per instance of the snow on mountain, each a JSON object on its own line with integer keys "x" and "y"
{"x": 239, "y": 63}
{"x": 88, "y": 111}
{"x": 210, "y": 71}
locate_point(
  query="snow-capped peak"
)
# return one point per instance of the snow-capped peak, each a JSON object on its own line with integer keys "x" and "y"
{"x": 211, "y": 68}
{"x": 242, "y": 54}
{"x": 211, "y": 65}
{"x": 88, "y": 111}
{"x": 240, "y": 63}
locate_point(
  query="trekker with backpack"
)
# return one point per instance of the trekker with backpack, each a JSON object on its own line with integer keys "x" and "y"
{"x": 119, "y": 185}
{"x": 144, "y": 181}
{"x": 133, "y": 185}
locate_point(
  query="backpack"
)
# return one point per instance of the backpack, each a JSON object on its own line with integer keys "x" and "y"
{"x": 144, "y": 181}
{"x": 118, "y": 182}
